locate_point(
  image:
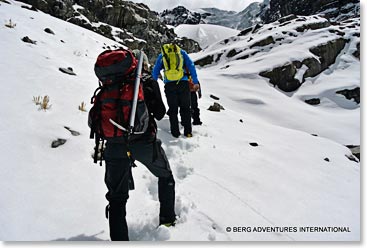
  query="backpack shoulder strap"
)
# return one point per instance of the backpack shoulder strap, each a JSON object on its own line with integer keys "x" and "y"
{"x": 179, "y": 64}
{"x": 166, "y": 60}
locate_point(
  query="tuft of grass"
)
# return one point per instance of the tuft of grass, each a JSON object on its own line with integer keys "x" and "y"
{"x": 10, "y": 24}
{"x": 82, "y": 107}
{"x": 42, "y": 102}
{"x": 37, "y": 100}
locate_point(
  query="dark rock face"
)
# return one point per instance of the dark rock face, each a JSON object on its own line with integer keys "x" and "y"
{"x": 351, "y": 94}
{"x": 205, "y": 61}
{"x": 357, "y": 52}
{"x": 313, "y": 26}
{"x": 283, "y": 77}
{"x": 180, "y": 15}
{"x": 328, "y": 52}
{"x": 142, "y": 29}
{"x": 356, "y": 150}
{"x": 267, "y": 41}
{"x": 282, "y": 8}
{"x": 287, "y": 18}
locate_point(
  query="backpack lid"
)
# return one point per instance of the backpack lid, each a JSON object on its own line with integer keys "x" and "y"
{"x": 113, "y": 65}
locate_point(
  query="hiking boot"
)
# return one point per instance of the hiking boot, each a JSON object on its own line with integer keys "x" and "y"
{"x": 167, "y": 222}
{"x": 176, "y": 135}
{"x": 188, "y": 135}
{"x": 197, "y": 123}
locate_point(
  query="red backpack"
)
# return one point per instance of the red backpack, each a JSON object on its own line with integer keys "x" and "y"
{"x": 112, "y": 101}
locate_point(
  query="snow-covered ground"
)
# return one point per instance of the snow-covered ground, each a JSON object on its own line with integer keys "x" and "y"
{"x": 205, "y": 34}
{"x": 222, "y": 180}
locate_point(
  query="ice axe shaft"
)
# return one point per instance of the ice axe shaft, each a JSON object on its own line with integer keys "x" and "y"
{"x": 136, "y": 90}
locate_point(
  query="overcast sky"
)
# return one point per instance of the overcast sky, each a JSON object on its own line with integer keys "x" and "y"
{"x": 159, "y": 5}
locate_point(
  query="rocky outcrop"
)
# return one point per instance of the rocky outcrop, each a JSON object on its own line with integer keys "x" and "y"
{"x": 284, "y": 76}
{"x": 264, "y": 42}
{"x": 180, "y": 15}
{"x": 351, "y": 94}
{"x": 205, "y": 61}
{"x": 328, "y": 52}
{"x": 356, "y": 150}
{"x": 140, "y": 27}
{"x": 329, "y": 8}
{"x": 358, "y": 51}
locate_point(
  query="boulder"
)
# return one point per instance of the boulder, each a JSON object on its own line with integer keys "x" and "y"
{"x": 26, "y": 39}
{"x": 351, "y": 94}
{"x": 283, "y": 77}
{"x": 232, "y": 53}
{"x": 205, "y": 61}
{"x": 73, "y": 132}
{"x": 313, "y": 101}
{"x": 216, "y": 107}
{"x": 267, "y": 41}
{"x": 68, "y": 70}
{"x": 58, "y": 142}
{"x": 49, "y": 31}
{"x": 356, "y": 150}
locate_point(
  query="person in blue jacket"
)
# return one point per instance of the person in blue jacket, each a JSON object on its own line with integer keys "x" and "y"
{"x": 177, "y": 90}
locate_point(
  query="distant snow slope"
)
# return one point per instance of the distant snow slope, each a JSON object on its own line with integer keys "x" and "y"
{"x": 205, "y": 34}
{"x": 290, "y": 179}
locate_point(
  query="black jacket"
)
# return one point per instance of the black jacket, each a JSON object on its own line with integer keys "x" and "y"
{"x": 153, "y": 97}
{"x": 154, "y": 102}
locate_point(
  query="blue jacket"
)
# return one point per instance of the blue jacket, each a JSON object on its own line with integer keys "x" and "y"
{"x": 187, "y": 63}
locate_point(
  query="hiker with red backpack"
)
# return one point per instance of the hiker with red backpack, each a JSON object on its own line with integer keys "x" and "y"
{"x": 173, "y": 60}
{"x": 123, "y": 115}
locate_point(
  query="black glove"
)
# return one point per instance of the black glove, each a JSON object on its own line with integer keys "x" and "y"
{"x": 199, "y": 92}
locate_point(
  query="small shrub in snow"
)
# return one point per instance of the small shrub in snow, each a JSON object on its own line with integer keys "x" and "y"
{"x": 43, "y": 102}
{"x": 10, "y": 24}
{"x": 37, "y": 100}
{"x": 82, "y": 107}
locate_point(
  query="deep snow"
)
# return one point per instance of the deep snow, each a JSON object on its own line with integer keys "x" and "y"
{"x": 221, "y": 180}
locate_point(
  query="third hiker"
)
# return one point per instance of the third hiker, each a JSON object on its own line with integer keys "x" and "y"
{"x": 173, "y": 60}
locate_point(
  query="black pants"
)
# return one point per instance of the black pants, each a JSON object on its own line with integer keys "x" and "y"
{"x": 195, "y": 111}
{"x": 117, "y": 179}
{"x": 178, "y": 96}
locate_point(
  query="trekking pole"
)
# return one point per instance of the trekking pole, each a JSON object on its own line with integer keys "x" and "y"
{"x": 136, "y": 91}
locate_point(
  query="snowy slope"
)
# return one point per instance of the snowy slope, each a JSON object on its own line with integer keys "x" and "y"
{"x": 336, "y": 118}
{"x": 221, "y": 180}
{"x": 205, "y": 34}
